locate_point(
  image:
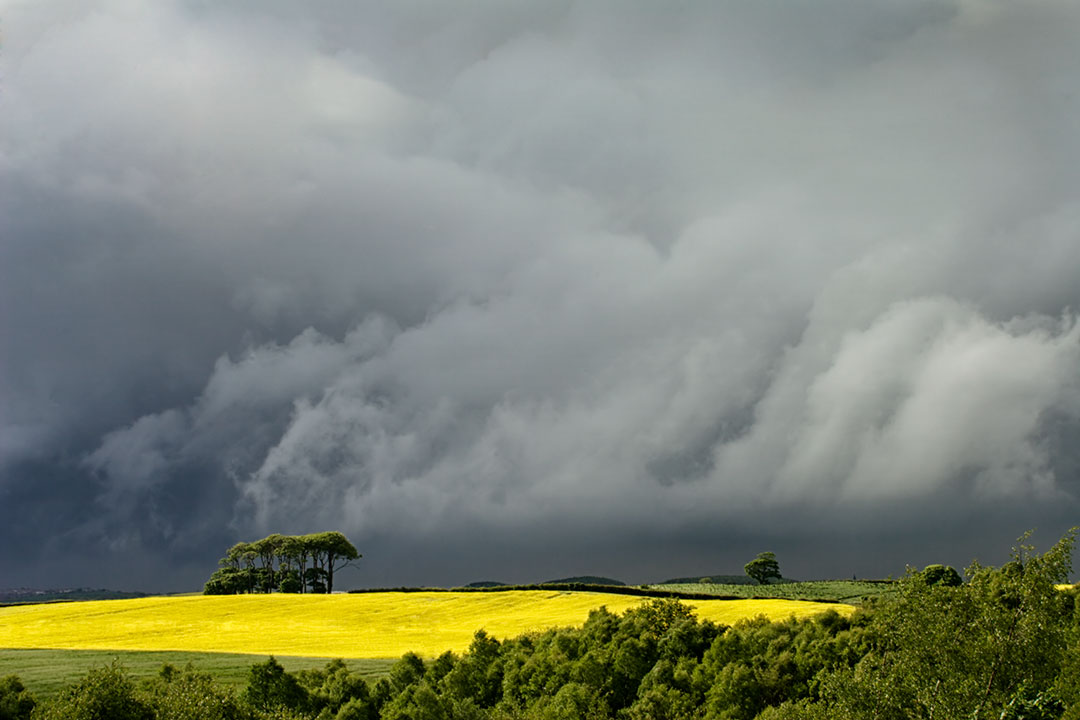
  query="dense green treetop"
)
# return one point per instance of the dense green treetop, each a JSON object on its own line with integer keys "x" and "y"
{"x": 763, "y": 568}
{"x": 285, "y": 563}
{"x": 16, "y": 703}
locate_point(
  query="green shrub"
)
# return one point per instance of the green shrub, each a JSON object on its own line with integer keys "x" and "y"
{"x": 270, "y": 688}
{"x": 941, "y": 575}
{"x": 106, "y": 693}
{"x": 190, "y": 695}
{"x": 16, "y": 702}
{"x": 976, "y": 651}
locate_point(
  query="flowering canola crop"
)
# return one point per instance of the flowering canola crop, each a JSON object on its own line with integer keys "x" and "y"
{"x": 365, "y": 625}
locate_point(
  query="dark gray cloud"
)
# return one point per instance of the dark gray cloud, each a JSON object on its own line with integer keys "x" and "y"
{"x": 510, "y": 290}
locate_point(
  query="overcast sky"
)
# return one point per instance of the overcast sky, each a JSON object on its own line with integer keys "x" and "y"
{"x": 514, "y": 290}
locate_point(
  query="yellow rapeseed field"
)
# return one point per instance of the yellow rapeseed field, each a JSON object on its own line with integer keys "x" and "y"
{"x": 368, "y": 625}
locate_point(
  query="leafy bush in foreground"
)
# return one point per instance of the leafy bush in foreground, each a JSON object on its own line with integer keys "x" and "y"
{"x": 105, "y": 693}
{"x": 191, "y": 695}
{"x": 16, "y": 703}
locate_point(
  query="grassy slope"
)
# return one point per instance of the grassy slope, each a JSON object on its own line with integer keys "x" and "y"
{"x": 46, "y": 672}
{"x": 375, "y": 625}
{"x": 845, "y": 591}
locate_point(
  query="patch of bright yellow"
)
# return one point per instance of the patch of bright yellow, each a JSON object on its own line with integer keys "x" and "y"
{"x": 367, "y": 625}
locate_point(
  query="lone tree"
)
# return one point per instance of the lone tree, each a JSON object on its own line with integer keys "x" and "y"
{"x": 763, "y": 567}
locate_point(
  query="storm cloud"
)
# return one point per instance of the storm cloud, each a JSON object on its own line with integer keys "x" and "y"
{"x": 530, "y": 289}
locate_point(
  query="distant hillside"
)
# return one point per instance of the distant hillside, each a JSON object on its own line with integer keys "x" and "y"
{"x": 585, "y": 580}
{"x": 485, "y": 584}
{"x": 34, "y": 595}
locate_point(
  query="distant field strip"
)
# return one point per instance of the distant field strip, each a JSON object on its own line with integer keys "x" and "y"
{"x": 370, "y": 625}
{"x": 47, "y": 672}
{"x": 848, "y": 591}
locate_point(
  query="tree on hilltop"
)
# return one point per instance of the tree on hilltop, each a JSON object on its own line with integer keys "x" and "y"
{"x": 295, "y": 554}
{"x": 336, "y": 552}
{"x": 763, "y": 567}
{"x": 269, "y": 551}
{"x": 286, "y": 563}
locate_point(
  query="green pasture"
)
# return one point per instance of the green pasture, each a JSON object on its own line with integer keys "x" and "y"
{"x": 851, "y": 592}
{"x": 46, "y": 672}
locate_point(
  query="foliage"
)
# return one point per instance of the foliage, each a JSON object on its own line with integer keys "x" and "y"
{"x": 335, "y": 687}
{"x": 970, "y": 651}
{"x": 941, "y": 575}
{"x": 280, "y": 562}
{"x": 190, "y": 695}
{"x": 16, "y": 702}
{"x": 270, "y": 687}
{"x": 1027, "y": 704}
{"x": 1067, "y": 686}
{"x": 757, "y": 664}
{"x": 106, "y": 693}
{"x": 229, "y": 581}
{"x": 763, "y": 568}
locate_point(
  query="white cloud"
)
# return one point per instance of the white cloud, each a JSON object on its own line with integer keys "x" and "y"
{"x": 931, "y": 394}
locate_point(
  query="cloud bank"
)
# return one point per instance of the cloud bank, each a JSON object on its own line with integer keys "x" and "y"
{"x": 507, "y": 289}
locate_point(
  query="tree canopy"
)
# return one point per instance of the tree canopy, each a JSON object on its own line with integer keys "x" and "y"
{"x": 763, "y": 567}
{"x": 285, "y": 563}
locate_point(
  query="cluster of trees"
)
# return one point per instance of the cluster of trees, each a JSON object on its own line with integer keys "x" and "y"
{"x": 1003, "y": 645}
{"x": 285, "y": 563}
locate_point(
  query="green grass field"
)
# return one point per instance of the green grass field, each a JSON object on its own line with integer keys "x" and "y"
{"x": 850, "y": 592}
{"x": 46, "y": 672}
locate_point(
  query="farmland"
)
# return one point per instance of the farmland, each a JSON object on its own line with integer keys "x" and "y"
{"x": 846, "y": 591}
{"x": 373, "y": 625}
{"x": 46, "y": 672}
{"x": 546, "y": 654}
